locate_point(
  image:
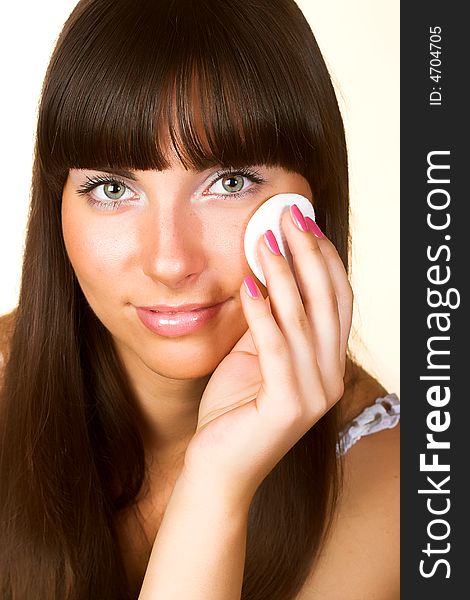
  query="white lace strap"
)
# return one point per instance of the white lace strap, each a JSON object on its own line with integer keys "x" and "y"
{"x": 383, "y": 414}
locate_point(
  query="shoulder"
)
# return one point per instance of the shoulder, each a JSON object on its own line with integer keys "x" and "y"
{"x": 360, "y": 558}
{"x": 7, "y": 323}
{"x": 361, "y": 391}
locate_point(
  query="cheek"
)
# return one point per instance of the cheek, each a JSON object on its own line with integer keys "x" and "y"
{"x": 97, "y": 255}
{"x": 223, "y": 241}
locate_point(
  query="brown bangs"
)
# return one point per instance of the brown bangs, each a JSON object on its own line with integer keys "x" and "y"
{"x": 164, "y": 76}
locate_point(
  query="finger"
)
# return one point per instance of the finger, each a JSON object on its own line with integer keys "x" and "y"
{"x": 279, "y": 378}
{"x": 343, "y": 290}
{"x": 290, "y": 315}
{"x": 320, "y": 302}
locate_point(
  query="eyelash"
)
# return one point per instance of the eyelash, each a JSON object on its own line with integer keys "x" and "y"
{"x": 98, "y": 180}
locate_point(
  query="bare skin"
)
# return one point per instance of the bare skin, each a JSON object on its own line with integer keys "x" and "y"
{"x": 177, "y": 243}
{"x": 139, "y": 525}
{"x": 114, "y": 256}
{"x": 364, "y": 543}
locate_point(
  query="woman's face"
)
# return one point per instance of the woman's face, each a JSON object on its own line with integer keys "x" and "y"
{"x": 175, "y": 238}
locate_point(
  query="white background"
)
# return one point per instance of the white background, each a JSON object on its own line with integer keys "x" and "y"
{"x": 359, "y": 40}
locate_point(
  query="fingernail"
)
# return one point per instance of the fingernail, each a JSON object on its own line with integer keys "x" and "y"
{"x": 250, "y": 286}
{"x": 313, "y": 227}
{"x": 271, "y": 242}
{"x": 298, "y": 218}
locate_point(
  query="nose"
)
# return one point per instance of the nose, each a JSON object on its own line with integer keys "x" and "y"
{"x": 171, "y": 246}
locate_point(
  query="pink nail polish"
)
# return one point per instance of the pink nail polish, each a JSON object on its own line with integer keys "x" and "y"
{"x": 298, "y": 217}
{"x": 314, "y": 228}
{"x": 271, "y": 242}
{"x": 250, "y": 286}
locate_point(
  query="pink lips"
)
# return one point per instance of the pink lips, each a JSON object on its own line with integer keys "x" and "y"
{"x": 173, "y": 324}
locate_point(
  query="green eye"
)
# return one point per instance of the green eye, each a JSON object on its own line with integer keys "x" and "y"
{"x": 106, "y": 193}
{"x": 233, "y": 183}
{"x": 114, "y": 191}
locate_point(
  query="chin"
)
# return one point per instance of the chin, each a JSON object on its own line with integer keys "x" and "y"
{"x": 184, "y": 369}
{"x": 183, "y": 358}
{"x": 187, "y": 361}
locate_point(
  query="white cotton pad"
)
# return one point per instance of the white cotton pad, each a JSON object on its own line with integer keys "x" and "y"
{"x": 268, "y": 216}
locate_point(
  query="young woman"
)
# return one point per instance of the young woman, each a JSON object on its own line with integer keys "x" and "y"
{"x": 169, "y": 427}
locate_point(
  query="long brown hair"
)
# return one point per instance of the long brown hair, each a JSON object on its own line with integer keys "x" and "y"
{"x": 125, "y": 76}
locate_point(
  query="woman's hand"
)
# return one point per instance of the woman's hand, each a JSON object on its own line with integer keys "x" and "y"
{"x": 283, "y": 374}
